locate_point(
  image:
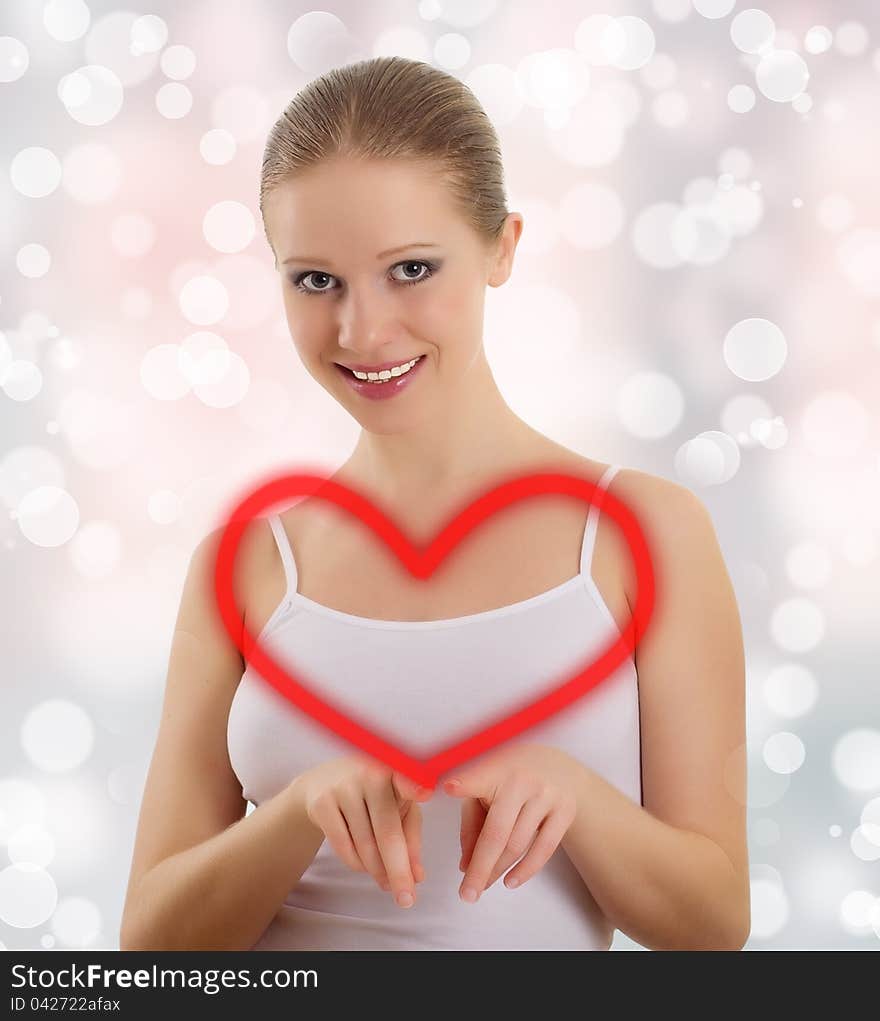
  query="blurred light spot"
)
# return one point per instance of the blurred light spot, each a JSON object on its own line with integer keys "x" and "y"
{"x": 21, "y": 804}
{"x": 28, "y": 895}
{"x": 650, "y": 405}
{"x": 33, "y": 260}
{"x": 752, "y": 30}
{"x": 802, "y": 103}
{"x": 174, "y": 100}
{"x": 755, "y": 349}
{"x": 177, "y": 62}
{"x": 102, "y": 433}
{"x": 859, "y": 547}
{"x": 855, "y": 759}
{"x": 217, "y": 146}
{"x": 76, "y": 922}
{"x": 112, "y": 44}
{"x": 465, "y": 13}
{"x": 148, "y": 34}
{"x": 35, "y": 172}
{"x": 818, "y": 39}
{"x": 781, "y": 75}
{"x": 797, "y": 624}
{"x": 47, "y": 516}
{"x": 835, "y": 212}
{"x": 791, "y": 690}
{"x": 22, "y": 380}
{"x": 31, "y": 845}
{"x": 92, "y": 173}
{"x": 14, "y": 58}
{"x": 784, "y": 752}
{"x": 203, "y": 357}
{"x": 66, "y": 20}
{"x": 594, "y": 134}
{"x": 738, "y": 415}
{"x": 126, "y": 784}
{"x": 639, "y": 44}
{"x": 735, "y": 161}
{"x": 765, "y": 832}
{"x": 660, "y": 72}
{"x": 160, "y": 373}
{"x": 672, "y": 10}
{"x": 135, "y": 302}
{"x": 708, "y": 459}
{"x": 550, "y": 79}
{"x": 591, "y": 215}
{"x": 670, "y": 108}
{"x": 769, "y": 908}
{"x": 402, "y": 41}
{"x": 714, "y": 8}
{"x": 92, "y": 94}
{"x": 858, "y": 256}
{"x": 808, "y": 565}
{"x": 47, "y": 941}
{"x": 600, "y": 38}
{"x": 203, "y": 300}
{"x": 267, "y": 406}
{"x": 57, "y": 735}
{"x": 770, "y": 433}
{"x": 851, "y": 38}
{"x": 132, "y": 235}
{"x": 865, "y": 842}
{"x": 228, "y": 226}
{"x": 318, "y": 40}
{"x": 741, "y": 98}
{"x": 95, "y": 550}
{"x": 25, "y": 468}
{"x": 242, "y": 110}
{"x": 855, "y": 911}
{"x": 230, "y": 388}
{"x": 652, "y": 235}
{"x": 835, "y": 424}
{"x": 452, "y": 51}
{"x": 497, "y": 89}
{"x": 834, "y": 830}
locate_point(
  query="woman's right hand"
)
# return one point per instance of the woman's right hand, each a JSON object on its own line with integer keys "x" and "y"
{"x": 370, "y": 814}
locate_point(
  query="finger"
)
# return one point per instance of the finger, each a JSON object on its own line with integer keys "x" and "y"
{"x": 408, "y": 790}
{"x": 412, "y": 831}
{"x": 388, "y": 830}
{"x": 493, "y": 838}
{"x": 332, "y": 822}
{"x": 356, "y": 815}
{"x": 529, "y": 821}
{"x": 547, "y": 840}
{"x": 473, "y": 815}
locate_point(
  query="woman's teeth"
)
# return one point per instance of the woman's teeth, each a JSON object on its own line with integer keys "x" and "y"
{"x": 380, "y": 377}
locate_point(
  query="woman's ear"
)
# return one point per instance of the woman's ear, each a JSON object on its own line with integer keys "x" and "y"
{"x": 502, "y": 261}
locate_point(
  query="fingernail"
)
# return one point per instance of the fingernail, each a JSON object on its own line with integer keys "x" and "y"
{"x": 452, "y": 785}
{"x": 422, "y": 792}
{"x": 405, "y": 899}
{"x": 511, "y": 882}
{"x": 469, "y": 894}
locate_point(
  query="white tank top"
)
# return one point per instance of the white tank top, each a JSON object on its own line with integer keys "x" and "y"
{"x": 423, "y": 684}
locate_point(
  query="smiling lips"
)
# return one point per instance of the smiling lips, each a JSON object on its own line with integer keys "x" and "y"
{"x": 385, "y": 382}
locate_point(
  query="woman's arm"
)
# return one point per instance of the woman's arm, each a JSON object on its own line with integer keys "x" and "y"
{"x": 224, "y": 892}
{"x": 675, "y": 873}
{"x": 665, "y": 887}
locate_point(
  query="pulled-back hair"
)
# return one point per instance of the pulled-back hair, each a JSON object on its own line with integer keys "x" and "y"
{"x": 390, "y": 108}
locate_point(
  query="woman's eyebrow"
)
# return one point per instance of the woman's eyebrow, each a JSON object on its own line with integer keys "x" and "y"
{"x": 381, "y": 255}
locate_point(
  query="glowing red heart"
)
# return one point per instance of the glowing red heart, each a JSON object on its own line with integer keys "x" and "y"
{"x": 421, "y": 563}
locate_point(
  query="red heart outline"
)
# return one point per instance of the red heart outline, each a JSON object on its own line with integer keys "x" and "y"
{"x": 421, "y": 563}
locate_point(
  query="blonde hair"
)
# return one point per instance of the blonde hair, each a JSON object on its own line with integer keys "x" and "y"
{"x": 393, "y": 108}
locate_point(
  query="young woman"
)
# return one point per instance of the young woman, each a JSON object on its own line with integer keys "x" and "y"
{"x": 383, "y": 202}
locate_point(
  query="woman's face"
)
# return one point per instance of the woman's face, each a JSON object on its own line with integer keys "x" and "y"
{"x": 350, "y": 300}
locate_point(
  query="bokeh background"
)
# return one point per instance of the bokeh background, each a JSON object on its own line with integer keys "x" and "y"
{"x": 701, "y": 258}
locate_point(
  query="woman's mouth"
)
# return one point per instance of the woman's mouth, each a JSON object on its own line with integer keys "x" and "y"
{"x": 389, "y": 386}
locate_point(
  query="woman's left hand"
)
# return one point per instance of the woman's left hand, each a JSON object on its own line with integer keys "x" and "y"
{"x": 518, "y": 801}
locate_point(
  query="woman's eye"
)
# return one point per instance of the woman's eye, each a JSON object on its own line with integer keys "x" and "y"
{"x": 425, "y": 269}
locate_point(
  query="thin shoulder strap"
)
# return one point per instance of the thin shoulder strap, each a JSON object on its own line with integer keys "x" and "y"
{"x": 593, "y": 519}
{"x": 285, "y": 551}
